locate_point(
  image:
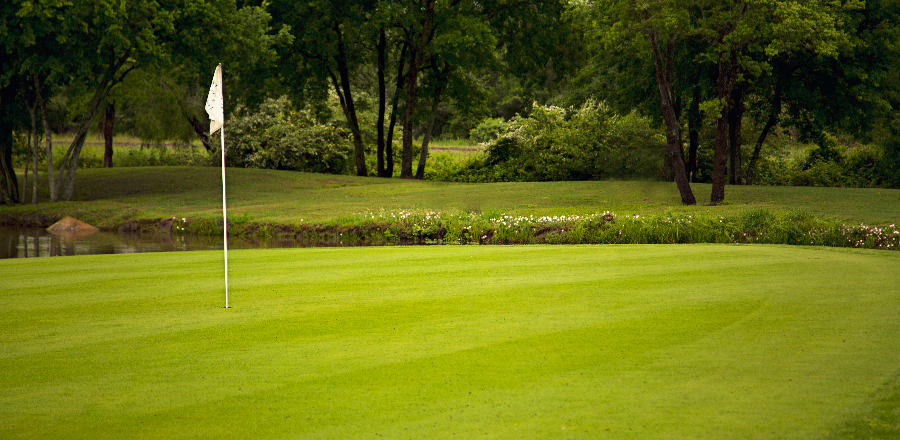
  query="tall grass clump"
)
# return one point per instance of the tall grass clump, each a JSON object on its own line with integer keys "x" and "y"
{"x": 434, "y": 227}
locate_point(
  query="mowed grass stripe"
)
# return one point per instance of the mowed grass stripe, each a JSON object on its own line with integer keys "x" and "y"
{"x": 493, "y": 342}
{"x": 110, "y": 197}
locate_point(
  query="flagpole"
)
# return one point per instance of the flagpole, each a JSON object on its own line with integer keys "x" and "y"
{"x": 215, "y": 107}
{"x": 224, "y": 216}
{"x": 224, "y": 203}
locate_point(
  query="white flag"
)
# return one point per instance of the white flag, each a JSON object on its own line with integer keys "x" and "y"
{"x": 215, "y": 103}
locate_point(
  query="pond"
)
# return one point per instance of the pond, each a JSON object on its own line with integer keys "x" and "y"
{"x": 19, "y": 242}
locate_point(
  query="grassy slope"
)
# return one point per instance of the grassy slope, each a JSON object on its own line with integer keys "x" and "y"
{"x": 109, "y": 197}
{"x": 439, "y": 342}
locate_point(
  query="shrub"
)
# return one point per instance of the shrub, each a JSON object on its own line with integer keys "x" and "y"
{"x": 552, "y": 143}
{"x": 278, "y": 137}
{"x": 827, "y": 165}
{"x": 147, "y": 157}
{"x": 821, "y": 173}
{"x": 487, "y": 130}
{"x": 826, "y": 151}
{"x": 865, "y": 168}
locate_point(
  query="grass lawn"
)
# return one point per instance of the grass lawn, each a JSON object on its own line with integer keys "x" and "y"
{"x": 678, "y": 341}
{"x": 109, "y": 197}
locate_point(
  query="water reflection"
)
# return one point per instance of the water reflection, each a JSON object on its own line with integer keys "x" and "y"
{"x": 17, "y": 242}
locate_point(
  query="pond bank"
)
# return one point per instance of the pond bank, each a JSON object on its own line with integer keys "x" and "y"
{"x": 430, "y": 227}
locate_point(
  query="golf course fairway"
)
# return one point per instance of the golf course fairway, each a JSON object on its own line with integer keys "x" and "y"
{"x": 494, "y": 342}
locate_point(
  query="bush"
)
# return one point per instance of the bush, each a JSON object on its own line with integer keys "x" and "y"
{"x": 865, "y": 168}
{"x": 821, "y": 173}
{"x": 278, "y": 137}
{"x": 827, "y": 165}
{"x": 148, "y": 157}
{"x": 487, "y": 130}
{"x": 826, "y": 151}
{"x": 553, "y": 143}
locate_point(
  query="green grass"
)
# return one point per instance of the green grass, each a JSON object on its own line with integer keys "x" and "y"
{"x": 127, "y": 151}
{"x": 108, "y": 197}
{"x": 699, "y": 341}
{"x": 455, "y": 148}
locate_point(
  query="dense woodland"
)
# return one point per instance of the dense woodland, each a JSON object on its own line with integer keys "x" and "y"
{"x": 683, "y": 90}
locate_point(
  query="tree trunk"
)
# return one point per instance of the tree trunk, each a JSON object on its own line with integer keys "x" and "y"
{"x": 200, "y": 130}
{"x": 411, "y": 92}
{"x": 347, "y": 105}
{"x": 108, "y": 121}
{"x": 71, "y": 159}
{"x": 381, "y": 48}
{"x": 389, "y": 142}
{"x": 695, "y": 120}
{"x": 664, "y": 71}
{"x": 735, "y": 141}
{"x": 24, "y": 191}
{"x": 771, "y": 122}
{"x": 412, "y": 88}
{"x": 69, "y": 166}
{"x": 395, "y": 102}
{"x": 62, "y": 186}
{"x": 724, "y": 86}
{"x": 48, "y": 141}
{"x": 35, "y": 151}
{"x": 420, "y": 170}
{"x": 9, "y": 183}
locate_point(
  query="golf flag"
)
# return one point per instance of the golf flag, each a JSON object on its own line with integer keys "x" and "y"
{"x": 215, "y": 106}
{"x": 215, "y": 102}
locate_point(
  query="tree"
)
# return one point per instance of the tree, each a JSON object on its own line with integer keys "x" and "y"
{"x": 165, "y": 100}
{"x": 406, "y": 43}
{"x": 90, "y": 47}
{"x": 740, "y": 39}
{"x": 451, "y": 40}
{"x": 661, "y": 24}
{"x": 9, "y": 118}
{"x": 330, "y": 45}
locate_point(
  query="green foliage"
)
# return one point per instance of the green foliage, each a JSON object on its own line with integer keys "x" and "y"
{"x": 588, "y": 143}
{"x": 754, "y": 226}
{"x": 827, "y": 165}
{"x": 488, "y": 130}
{"x": 282, "y": 138}
{"x": 826, "y": 151}
{"x": 161, "y": 157}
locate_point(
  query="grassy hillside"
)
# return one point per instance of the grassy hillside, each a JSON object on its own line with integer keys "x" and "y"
{"x": 108, "y": 197}
{"x": 700, "y": 341}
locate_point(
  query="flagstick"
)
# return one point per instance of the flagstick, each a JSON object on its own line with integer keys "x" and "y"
{"x": 215, "y": 107}
{"x": 224, "y": 205}
{"x": 224, "y": 215}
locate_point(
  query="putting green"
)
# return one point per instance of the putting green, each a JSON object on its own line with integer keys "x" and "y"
{"x": 699, "y": 341}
